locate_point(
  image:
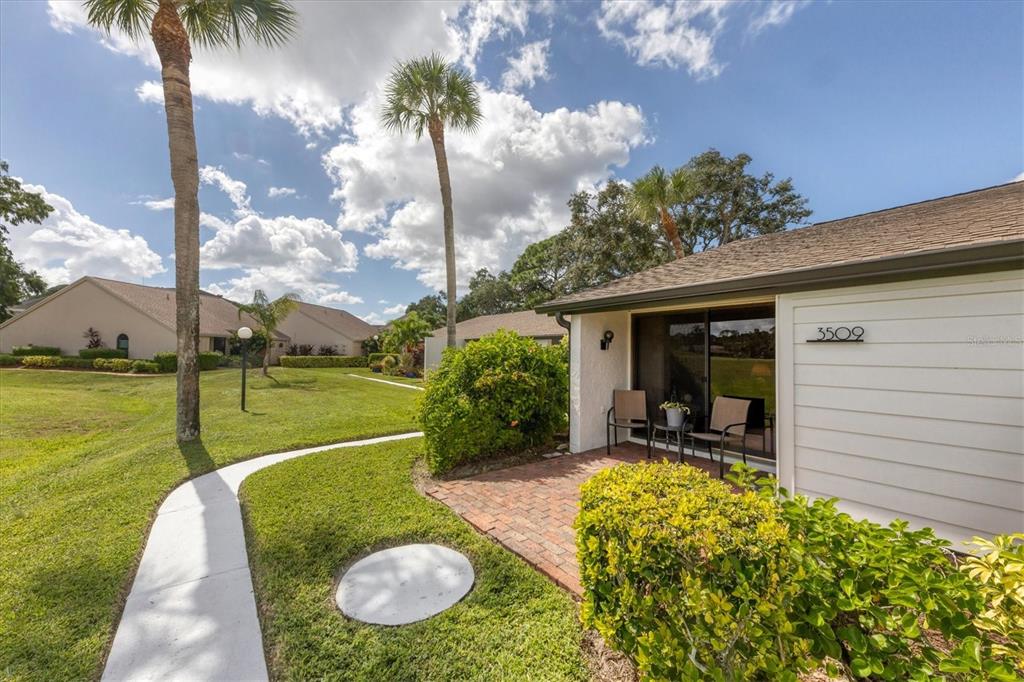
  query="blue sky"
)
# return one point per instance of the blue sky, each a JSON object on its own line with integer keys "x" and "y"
{"x": 864, "y": 105}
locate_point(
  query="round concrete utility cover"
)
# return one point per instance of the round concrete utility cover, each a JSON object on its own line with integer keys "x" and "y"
{"x": 404, "y": 584}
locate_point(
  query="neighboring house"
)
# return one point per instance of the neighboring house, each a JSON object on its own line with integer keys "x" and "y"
{"x": 542, "y": 328}
{"x": 887, "y": 350}
{"x": 318, "y": 325}
{"x": 137, "y": 318}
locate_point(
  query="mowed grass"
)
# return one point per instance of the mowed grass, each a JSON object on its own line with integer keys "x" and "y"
{"x": 308, "y": 519}
{"x": 85, "y": 460}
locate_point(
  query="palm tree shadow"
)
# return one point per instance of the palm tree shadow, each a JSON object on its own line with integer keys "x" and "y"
{"x": 197, "y": 457}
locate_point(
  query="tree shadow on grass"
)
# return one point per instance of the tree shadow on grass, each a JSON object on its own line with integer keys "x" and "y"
{"x": 197, "y": 457}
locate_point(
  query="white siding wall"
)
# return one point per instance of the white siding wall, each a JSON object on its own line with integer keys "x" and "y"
{"x": 924, "y": 420}
{"x": 594, "y": 374}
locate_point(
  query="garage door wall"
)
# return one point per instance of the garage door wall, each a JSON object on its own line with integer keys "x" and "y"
{"x": 924, "y": 420}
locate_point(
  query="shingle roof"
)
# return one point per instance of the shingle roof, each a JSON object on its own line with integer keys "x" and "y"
{"x": 343, "y": 322}
{"x": 525, "y": 323}
{"x": 983, "y": 217}
{"x": 217, "y": 316}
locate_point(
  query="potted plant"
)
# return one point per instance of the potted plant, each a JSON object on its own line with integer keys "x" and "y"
{"x": 674, "y": 412}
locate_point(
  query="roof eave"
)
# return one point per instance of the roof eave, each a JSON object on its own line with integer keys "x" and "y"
{"x": 969, "y": 258}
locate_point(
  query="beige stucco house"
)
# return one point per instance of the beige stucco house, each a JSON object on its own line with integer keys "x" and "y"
{"x": 882, "y": 354}
{"x": 544, "y": 329}
{"x": 318, "y": 325}
{"x": 137, "y": 318}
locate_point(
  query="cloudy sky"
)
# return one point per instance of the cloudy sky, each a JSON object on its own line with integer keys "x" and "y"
{"x": 864, "y": 105}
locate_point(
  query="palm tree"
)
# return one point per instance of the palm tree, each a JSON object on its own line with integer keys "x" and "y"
{"x": 173, "y": 26}
{"x": 430, "y": 94}
{"x": 269, "y": 314}
{"x": 654, "y": 194}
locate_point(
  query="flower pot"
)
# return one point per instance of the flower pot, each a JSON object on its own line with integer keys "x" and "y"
{"x": 674, "y": 417}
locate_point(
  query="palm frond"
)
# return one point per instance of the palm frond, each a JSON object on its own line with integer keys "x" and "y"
{"x": 214, "y": 23}
{"x": 430, "y": 89}
{"x": 131, "y": 17}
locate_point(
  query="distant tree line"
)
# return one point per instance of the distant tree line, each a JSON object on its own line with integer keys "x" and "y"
{"x": 622, "y": 229}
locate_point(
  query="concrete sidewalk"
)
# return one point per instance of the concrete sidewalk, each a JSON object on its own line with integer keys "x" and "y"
{"x": 191, "y": 613}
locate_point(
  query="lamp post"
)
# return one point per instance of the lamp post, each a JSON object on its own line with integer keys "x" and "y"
{"x": 244, "y": 333}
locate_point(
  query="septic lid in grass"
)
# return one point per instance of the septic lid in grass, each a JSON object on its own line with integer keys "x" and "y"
{"x": 404, "y": 584}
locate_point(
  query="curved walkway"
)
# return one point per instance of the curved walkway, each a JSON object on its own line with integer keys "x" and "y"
{"x": 191, "y": 613}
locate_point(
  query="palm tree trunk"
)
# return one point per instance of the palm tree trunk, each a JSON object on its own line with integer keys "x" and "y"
{"x": 171, "y": 42}
{"x": 441, "y": 156}
{"x": 672, "y": 232}
{"x": 266, "y": 356}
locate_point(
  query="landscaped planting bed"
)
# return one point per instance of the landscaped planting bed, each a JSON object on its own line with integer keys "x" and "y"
{"x": 309, "y": 519}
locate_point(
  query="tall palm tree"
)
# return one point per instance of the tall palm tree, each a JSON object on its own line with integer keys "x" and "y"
{"x": 270, "y": 315}
{"x": 653, "y": 196}
{"x": 173, "y": 26}
{"x": 430, "y": 94}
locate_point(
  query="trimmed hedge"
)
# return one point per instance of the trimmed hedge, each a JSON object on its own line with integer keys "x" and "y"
{"x": 41, "y": 361}
{"x": 167, "y": 361}
{"x": 93, "y": 353}
{"x": 209, "y": 360}
{"x": 113, "y": 364}
{"x": 145, "y": 367}
{"x": 8, "y": 360}
{"x": 323, "y": 361}
{"x": 375, "y": 360}
{"x": 22, "y": 351}
{"x": 76, "y": 363}
{"x": 693, "y": 581}
{"x": 501, "y": 394}
{"x": 685, "y": 577}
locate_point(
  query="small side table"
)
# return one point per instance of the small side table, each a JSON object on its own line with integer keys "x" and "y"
{"x": 680, "y": 432}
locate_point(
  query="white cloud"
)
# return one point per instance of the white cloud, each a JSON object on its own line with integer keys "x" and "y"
{"x": 373, "y": 318}
{"x": 673, "y": 34}
{"x": 398, "y": 309}
{"x": 68, "y": 245}
{"x": 529, "y": 66}
{"x": 159, "y": 204}
{"x": 249, "y": 157}
{"x": 278, "y": 280}
{"x": 478, "y": 22}
{"x": 310, "y": 80}
{"x": 275, "y": 192}
{"x": 235, "y": 189}
{"x": 150, "y": 92}
{"x": 511, "y": 180}
{"x": 213, "y": 222}
{"x": 1020, "y": 177}
{"x": 775, "y": 13}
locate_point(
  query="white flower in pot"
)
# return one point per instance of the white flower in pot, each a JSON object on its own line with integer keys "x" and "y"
{"x": 674, "y": 413}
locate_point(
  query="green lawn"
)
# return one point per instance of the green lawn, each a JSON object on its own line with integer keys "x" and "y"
{"x": 85, "y": 461}
{"x": 310, "y": 517}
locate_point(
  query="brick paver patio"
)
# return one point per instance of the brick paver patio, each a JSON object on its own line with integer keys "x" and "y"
{"x": 530, "y": 508}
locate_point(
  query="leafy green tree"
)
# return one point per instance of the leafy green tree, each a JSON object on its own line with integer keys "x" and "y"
{"x": 727, "y": 203}
{"x": 405, "y": 334}
{"x": 540, "y": 273}
{"x": 432, "y": 308}
{"x": 269, "y": 314}
{"x": 174, "y": 25}
{"x": 430, "y": 94}
{"x": 488, "y": 295}
{"x": 17, "y": 206}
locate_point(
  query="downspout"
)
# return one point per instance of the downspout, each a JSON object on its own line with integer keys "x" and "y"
{"x": 562, "y": 322}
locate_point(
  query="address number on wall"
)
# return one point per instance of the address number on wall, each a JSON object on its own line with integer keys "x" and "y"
{"x": 839, "y": 335}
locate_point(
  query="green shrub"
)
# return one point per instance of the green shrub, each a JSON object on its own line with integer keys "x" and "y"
{"x": 210, "y": 360}
{"x": 93, "y": 353}
{"x": 375, "y": 360}
{"x": 687, "y": 578}
{"x": 145, "y": 367}
{"x": 167, "y": 361}
{"x": 323, "y": 361}
{"x": 999, "y": 571}
{"x": 22, "y": 351}
{"x": 113, "y": 364}
{"x": 502, "y": 393}
{"x": 8, "y": 360}
{"x": 76, "y": 363}
{"x": 41, "y": 361}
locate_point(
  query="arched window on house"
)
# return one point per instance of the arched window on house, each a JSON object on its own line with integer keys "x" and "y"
{"x": 122, "y": 342}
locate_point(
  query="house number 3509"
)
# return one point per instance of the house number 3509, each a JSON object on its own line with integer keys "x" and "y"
{"x": 839, "y": 334}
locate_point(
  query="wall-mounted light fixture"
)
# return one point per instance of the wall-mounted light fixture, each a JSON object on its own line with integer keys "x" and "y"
{"x": 606, "y": 342}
